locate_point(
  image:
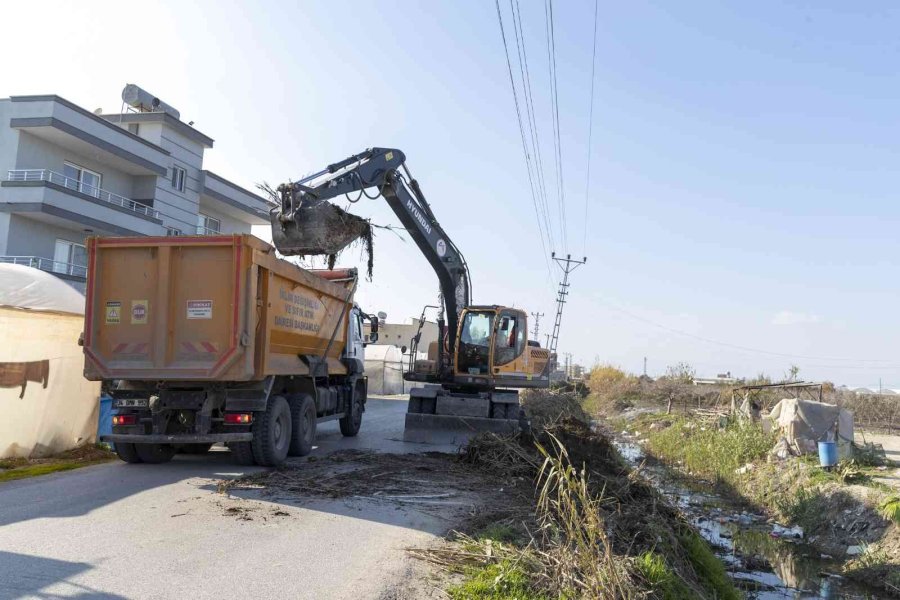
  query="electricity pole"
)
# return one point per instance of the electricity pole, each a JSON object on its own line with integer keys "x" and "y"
{"x": 567, "y": 264}
{"x": 537, "y": 324}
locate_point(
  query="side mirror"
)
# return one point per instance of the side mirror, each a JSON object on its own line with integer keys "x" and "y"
{"x": 373, "y": 320}
{"x": 402, "y": 349}
{"x": 373, "y": 337}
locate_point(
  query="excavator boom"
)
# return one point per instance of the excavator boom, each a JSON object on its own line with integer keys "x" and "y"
{"x": 486, "y": 347}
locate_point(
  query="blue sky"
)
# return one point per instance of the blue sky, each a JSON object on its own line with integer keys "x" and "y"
{"x": 741, "y": 207}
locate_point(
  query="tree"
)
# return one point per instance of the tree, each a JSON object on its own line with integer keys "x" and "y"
{"x": 604, "y": 377}
{"x": 792, "y": 373}
{"x": 681, "y": 373}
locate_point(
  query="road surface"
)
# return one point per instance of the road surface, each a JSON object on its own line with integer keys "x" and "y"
{"x": 163, "y": 531}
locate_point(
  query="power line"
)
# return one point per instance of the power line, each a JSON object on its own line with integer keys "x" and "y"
{"x": 887, "y": 362}
{"x": 557, "y": 142}
{"x": 529, "y": 113}
{"x": 587, "y": 185}
{"x": 528, "y": 165}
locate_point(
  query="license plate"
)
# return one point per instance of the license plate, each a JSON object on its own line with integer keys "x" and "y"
{"x": 132, "y": 403}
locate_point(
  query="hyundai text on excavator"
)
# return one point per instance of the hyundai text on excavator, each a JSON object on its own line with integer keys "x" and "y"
{"x": 483, "y": 356}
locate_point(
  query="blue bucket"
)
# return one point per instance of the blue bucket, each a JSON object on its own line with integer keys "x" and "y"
{"x": 104, "y": 426}
{"x": 828, "y": 454}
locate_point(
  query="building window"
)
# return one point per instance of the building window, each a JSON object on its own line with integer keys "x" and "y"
{"x": 81, "y": 179}
{"x": 178, "y": 178}
{"x": 70, "y": 258}
{"x": 171, "y": 231}
{"x": 207, "y": 225}
{"x": 134, "y": 128}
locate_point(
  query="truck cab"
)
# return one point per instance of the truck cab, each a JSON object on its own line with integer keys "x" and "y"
{"x": 354, "y": 355}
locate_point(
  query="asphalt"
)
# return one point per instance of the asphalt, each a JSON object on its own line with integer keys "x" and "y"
{"x": 163, "y": 531}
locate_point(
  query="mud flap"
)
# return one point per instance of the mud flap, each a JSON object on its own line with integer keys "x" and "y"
{"x": 438, "y": 416}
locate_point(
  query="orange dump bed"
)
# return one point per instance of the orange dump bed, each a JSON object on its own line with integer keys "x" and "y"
{"x": 220, "y": 308}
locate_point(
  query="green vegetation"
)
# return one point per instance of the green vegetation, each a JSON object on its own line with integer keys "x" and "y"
{"x": 706, "y": 449}
{"x": 710, "y": 569}
{"x": 601, "y": 532}
{"x": 665, "y": 583}
{"x": 890, "y": 509}
{"x": 22, "y": 468}
{"x": 505, "y": 580}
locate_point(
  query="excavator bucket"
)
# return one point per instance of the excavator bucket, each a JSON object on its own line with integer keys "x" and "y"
{"x": 439, "y": 416}
{"x": 322, "y": 228}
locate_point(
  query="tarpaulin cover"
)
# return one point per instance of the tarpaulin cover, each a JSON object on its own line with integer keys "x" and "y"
{"x": 26, "y": 287}
{"x": 804, "y": 423}
{"x": 47, "y": 404}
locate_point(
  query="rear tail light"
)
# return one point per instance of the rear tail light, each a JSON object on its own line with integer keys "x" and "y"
{"x": 124, "y": 419}
{"x": 238, "y": 418}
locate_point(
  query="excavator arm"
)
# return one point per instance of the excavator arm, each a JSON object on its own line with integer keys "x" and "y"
{"x": 376, "y": 168}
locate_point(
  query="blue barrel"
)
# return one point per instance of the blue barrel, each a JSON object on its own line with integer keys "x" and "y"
{"x": 828, "y": 454}
{"x": 104, "y": 426}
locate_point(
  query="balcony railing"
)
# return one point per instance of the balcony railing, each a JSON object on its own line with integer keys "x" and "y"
{"x": 201, "y": 230}
{"x": 73, "y": 184}
{"x": 46, "y": 264}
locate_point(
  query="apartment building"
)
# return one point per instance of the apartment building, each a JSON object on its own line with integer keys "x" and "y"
{"x": 67, "y": 173}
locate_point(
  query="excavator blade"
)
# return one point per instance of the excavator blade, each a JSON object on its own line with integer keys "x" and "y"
{"x": 439, "y": 416}
{"x": 318, "y": 229}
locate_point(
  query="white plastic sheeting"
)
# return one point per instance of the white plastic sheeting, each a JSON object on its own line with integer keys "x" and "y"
{"x": 47, "y": 404}
{"x": 804, "y": 423}
{"x": 384, "y": 369}
{"x": 26, "y": 287}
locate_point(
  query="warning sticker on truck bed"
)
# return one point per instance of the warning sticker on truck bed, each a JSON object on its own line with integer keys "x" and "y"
{"x": 139, "y": 310}
{"x": 199, "y": 309}
{"x": 113, "y": 312}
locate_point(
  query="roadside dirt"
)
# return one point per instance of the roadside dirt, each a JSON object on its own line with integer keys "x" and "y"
{"x": 465, "y": 498}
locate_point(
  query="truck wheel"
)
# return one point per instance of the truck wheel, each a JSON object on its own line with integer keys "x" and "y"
{"x": 303, "y": 425}
{"x": 242, "y": 453}
{"x": 127, "y": 452}
{"x": 272, "y": 433}
{"x": 353, "y": 419}
{"x": 155, "y": 454}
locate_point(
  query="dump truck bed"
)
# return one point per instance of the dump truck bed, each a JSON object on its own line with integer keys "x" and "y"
{"x": 208, "y": 308}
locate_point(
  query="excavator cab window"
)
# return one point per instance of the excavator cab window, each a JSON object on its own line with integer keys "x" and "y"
{"x": 475, "y": 343}
{"x": 509, "y": 340}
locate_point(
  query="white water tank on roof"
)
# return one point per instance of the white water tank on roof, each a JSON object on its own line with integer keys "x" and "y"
{"x": 144, "y": 101}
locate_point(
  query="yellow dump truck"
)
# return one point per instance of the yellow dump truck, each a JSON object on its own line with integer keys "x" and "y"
{"x": 205, "y": 339}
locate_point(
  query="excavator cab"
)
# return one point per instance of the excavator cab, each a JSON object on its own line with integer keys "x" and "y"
{"x": 493, "y": 350}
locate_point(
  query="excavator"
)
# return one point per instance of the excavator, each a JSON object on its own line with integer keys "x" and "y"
{"x": 472, "y": 374}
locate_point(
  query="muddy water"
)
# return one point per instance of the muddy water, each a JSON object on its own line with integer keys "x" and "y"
{"x": 763, "y": 559}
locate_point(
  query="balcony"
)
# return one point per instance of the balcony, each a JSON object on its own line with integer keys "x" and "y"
{"x": 201, "y": 230}
{"x": 49, "y": 265}
{"x": 36, "y": 175}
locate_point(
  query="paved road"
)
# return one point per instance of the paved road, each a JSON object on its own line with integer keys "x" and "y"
{"x": 162, "y": 531}
{"x": 891, "y": 445}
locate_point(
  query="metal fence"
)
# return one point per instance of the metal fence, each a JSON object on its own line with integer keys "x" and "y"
{"x": 46, "y": 264}
{"x": 74, "y": 184}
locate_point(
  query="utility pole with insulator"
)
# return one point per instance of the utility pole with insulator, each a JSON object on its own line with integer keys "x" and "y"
{"x": 537, "y": 325}
{"x": 568, "y": 264}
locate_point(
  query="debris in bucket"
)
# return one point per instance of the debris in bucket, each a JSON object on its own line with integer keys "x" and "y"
{"x": 318, "y": 228}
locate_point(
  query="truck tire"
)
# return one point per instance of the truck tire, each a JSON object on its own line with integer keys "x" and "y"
{"x": 127, "y": 452}
{"x": 272, "y": 433}
{"x": 352, "y": 420}
{"x": 155, "y": 454}
{"x": 303, "y": 425}
{"x": 242, "y": 453}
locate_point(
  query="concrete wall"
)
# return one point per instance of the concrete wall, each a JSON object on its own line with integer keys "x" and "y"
{"x": 36, "y": 153}
{"x": 28, "y": 237}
